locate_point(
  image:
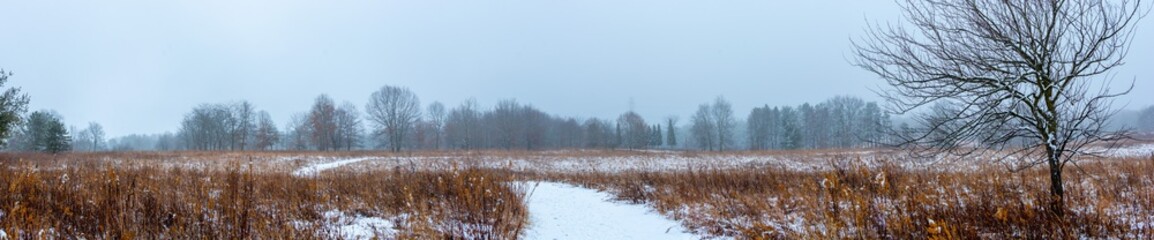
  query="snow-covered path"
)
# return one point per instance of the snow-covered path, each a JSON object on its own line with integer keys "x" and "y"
{"x": 562, "y": 211}
{"x": 312, "y": 170}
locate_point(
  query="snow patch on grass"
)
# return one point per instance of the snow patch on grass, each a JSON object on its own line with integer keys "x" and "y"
{"x": 358, "y": 227}
{"x": 1139, "y": 150}
{"x": 312, "y": 170}
{"x": 340, "y": 225}
{"x": 563, "y": 211}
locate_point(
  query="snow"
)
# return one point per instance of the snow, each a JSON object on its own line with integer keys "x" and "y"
{"x": 1139, "y": 150}
{"x": 312, "y": 170}
{"x": 562, "y": 211}
{"x": 358, "y": 227}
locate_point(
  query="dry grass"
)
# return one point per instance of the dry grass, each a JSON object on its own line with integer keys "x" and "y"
{"x": 455, "y": 195}
{"x": 1111, "y": 199}
{"x": 61, "y": 197}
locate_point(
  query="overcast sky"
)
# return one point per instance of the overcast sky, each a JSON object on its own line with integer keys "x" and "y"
{"x": 139, "y": 66}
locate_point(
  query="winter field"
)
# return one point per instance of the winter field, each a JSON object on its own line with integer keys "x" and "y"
{"x": 566, "y": 195}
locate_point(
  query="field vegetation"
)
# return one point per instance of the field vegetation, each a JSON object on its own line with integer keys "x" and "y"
{"x": 477, "y": 195}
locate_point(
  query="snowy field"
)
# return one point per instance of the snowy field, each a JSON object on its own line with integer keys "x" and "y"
{"x": 563, "y": 211}
{"x": 634, "y": 194}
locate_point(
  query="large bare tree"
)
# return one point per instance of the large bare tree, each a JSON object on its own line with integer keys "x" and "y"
{"x": 394, "y": 110}
{"x": 1000, "y": 72}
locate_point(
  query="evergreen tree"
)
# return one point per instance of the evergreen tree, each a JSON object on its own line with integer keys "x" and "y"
{"x": 45, "y": 132}
{"x": 12, "y": 105}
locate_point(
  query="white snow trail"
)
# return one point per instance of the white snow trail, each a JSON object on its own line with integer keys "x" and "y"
{"x": 312, "y": 170}
{"x": 563, "y": 211}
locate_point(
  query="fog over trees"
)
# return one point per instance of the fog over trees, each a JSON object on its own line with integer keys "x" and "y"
{"x": 393, "y": 120}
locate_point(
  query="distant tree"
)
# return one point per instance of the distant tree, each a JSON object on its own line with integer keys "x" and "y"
{"x": 164, "y": 142}
{"x": 671, "y": 131}
{"x": 758, "y": 128}
{"x": 79, "y": 139}
{"x": 436, "y": 114}
{"x": 323, "y": 124}
{"x": 723, "y": 122}
{"x": 298, "y": 132}
{"x": 1146, "y": 119}
{"x": 655, "y": 136}
{"x": 45, "y": 132}
{"x": 791, "y": 134}
{"x": 535, "y": 127}
{"x": 209, "y": 127}
{"x": 266, "y": 134}
{"x": 506, "y": 124}
{"x": 634, "y": 130}
{"x": 999, "y": 71}
{"x": 348, "y": 126}
{"x": 598, "y": 134}
{"x": 703, "y": 129}
{"x": 394, "y": 110}
{"x": 12, "y": 105}
{"x": 569, "y": 133}
{"x": 244, "y": 115}
{"x": 95, "y": 137}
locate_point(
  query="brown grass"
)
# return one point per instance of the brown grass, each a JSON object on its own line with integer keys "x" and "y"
{"x": 1105, "y": 200}
{"x": 466, "y": 195}
{"x": 59, "y": 197}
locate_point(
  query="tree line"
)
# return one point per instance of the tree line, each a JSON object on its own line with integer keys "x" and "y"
{"x": 393, "y": 119}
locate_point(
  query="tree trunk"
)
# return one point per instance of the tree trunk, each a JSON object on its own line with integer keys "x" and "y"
{"x": 1057, "y": 193}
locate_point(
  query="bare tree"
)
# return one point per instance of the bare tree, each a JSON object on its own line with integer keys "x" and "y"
{"x": 208, "y": 127}
{"x": 243, "y": 112}
{"x": 671, "y": 131}
{"x": 348, "y": 126}
{"x": 95, "y": 134}
{"x": 760, "y": 128}
{"x": 703, "y": 128}
{"x": 298, "y": 132}
{"x": 1005, "y": 70}
{"x": 394, "y": 110}
{"x": 323, "y": 125}
{"x": 436, "y": 112}
{"x": 463, "y": 126}
{"x": 266, "y": 134}
{"x": 634, "y": 130}
{"x": 723, "y": 122}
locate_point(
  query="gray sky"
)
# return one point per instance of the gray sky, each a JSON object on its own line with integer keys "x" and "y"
{"x": 139, "y": 66}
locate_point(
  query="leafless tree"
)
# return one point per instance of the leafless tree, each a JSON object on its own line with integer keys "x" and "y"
{"x": 671, "y": 131}
{"x": 298, "y": 131}
{"x": 95, "y": 136}
{"x": 243, "y": 112}
{"x": 634, "y": 130}
{"x": 436, "y": 112}
{"x": 266, "y": 134}
{"x": 209, "y": 127}
{"x": 463, "y": 126}
{"x": 598, "y": 134}
{"x": 394, "y": 110}
{"x": 506, "y": 125}
{"x": 348, "y": 126}
{"x": 323, "y": 125}
{"x": 723, "y": 122}
{"x": 703, "y": 128}
{"x": 1005, "y": 70}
